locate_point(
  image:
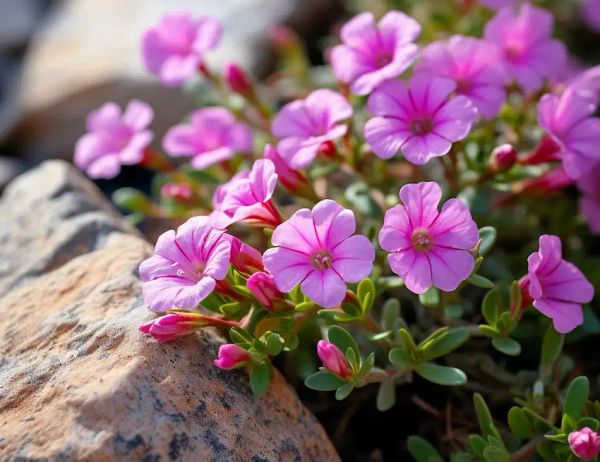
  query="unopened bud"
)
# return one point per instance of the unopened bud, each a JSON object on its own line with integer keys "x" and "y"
{"x": 333, "y": 359}
{"x": 231, "y": 356}
{"x": 503, "y": 158}
{"x": 262, "y": 286}
{"x": 238, "y": 80}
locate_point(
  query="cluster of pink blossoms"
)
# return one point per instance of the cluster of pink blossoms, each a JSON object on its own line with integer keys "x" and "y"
{"x": 455, "y": 82}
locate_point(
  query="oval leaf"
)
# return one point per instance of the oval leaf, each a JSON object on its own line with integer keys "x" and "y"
{"x": 442, "y": 375}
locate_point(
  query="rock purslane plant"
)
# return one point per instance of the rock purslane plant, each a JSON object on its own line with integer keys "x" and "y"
{"x": 388, "y": 209}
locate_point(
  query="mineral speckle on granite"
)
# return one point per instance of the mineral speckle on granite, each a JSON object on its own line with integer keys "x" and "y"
{"x": 77, "y": 380}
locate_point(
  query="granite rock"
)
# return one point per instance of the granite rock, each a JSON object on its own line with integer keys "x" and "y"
{"x": 79, "y": 382}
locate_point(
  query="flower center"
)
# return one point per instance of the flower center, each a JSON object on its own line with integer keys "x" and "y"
{"x": 322, "y": 260}
{"x": 513, "y": 51}
{"x": 383, "y": 59}
{"x": 195, "y": 275}
{"x": 463, "y": 85}
{"x": 421, "y": 126}
{"x": 421, "y": 240}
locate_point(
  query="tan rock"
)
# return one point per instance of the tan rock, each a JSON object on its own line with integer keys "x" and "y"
{"x": 78, "y": 382}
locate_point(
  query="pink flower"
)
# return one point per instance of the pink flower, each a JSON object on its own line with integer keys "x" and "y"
{"x": 590, "y": 12}
{"x": 178, "y": 324}
{"x": 420, "y": 121}
{"x": 556, "y": 286}
{"x": 568, "y": 119}
{"x": 585, "y": 443}
{"x": 373, "y": 53}
{"x": 333, "y": 359}
{"x": 587, "y": 84}
{"x": 589, "y": 204}
{"x": 475, "y": 67}
{"x": 231, "y": 356}
{"x": 316, "y": 249}
{"x": 173, "y": 50}
{"x": 306, "y": 124}
{"x": 247, "y": 198}
{"x": 292, "y": 179}
{"x": 212, "y": 136}
{"x": 429, "y": 247}
{"x": 186, "y": 266}
{"x": 529, "y": 53}
{"x": 114, "y": 139}
{"x": 263, "y": 287}
{"x": 180, "y": 192}
{"x": 244, "y": 257}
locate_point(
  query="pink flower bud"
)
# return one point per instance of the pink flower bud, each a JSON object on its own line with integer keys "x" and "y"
{"x": 180, "y": 192}
{"x": 292, "y": 179}
{"x": 503, "y": 158}
{"x": 238, "y": 80}
{"x": 552, "y": 181}
{"x": 262, "y": 285}
{"x": 546, "y": 151}
{"x": 245, "y": 258}
{"x": 585, "y": 443}
{"x": 333, "y": 359}
{"x": 231, "y": 356}
{"x": 178, "y": 324}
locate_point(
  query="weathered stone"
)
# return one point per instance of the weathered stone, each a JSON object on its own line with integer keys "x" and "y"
{"x": 89, "y": 52}
{"x": 78, "y": 382}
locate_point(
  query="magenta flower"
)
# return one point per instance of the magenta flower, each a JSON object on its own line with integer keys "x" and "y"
{"x": 589, "y": 204}
{"x": 568, "y": 119}
{"x": 429, "y": 247}
{"x": 212, "y": 136}
{"x": 180, "y": 323}
{"x": 238, "y": 80}
{"x": 186, "y": 266}
{"x": 291, "y": 178}
{"x": 333, "y": 359}
{"x": 373, "y": 53}
{"x": 174, "y": 49}
{"x": 231, "y": 356}
{"x": 590, "y": 12}
{"x": 247, "y": 197}
{"x": 114, "y": 139}
{"x": 529, "y": 53}
{"x": 244, "y": 257}
{"x": 180, "y": 192}
{"x": 475, "y": 67}
{"x": 305, "y": 125}
{"x": 585, "y": 443}
{"x": 557, "y": 287}
{"x": 263, "y": 287}
{"x": 316, "y": 249}
{"x": 420, "y": 121}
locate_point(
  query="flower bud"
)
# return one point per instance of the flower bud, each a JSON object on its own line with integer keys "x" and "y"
{"x": 238, "y": 80}
{"x": 546, "y": 151}
{"x": 328, "y": 149}
{"x": 179, "y": 192}
{"x": 245, "y": 258}
{"x": 178, "y": 324}
{"x": 231, "y": 356}
{"x": 290, "y": 178}
{"x": 550, "y": 182}
{"x": 585, "y": 443}
{"x": 333, "y": 359}
{"x": 503, "y": 158}
{"x": 262, "y": 285}
{"x": 283, "y": 37}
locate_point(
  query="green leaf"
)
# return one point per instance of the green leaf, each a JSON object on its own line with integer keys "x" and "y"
{"x": 518, "y": 422}
{"x": 489, "y": 330}
{"x": 359, "y": 195}
{"x": 487, "y": 235}
{"x": 133, "y": 200}
{"x": 274, "y": 344}
{"x": 324, "y": 381}
{"x": 422, "y": 450}
{"x": 353, "y": 359}
{"x": 577, "y": 396}
{"x": 407, "y": 341}
{"x": 305, "y": 306}
{"x": 386, "y": 395}
{"x": 366, "y": 294}
{"x": 389, "y": 313}
{"x": 442, "y": 375}
{"x": 342, "y": 339}
{"x": 496, "y": 454}
{"x": 552, "y": 344}
{"x": 431, "y": 297}
{"x": 478, "y": 444}
{"x": 399, "y": 357}
{"x": 461, "y": 457}
{"x": 259, "y": 378}
{"x": 491, "y": 306}
{"x": 588, "y": 422}
{"x": 516, "y": 298}
{"x": 446, "y": 343}
{"x": 507, "y": 345}
{"x": 480, "y": 281}
{"x": 367, "y": 365}
{"x": 324, "y": 170}
{"x": 241, "y": 337}
{"x": 484, "y": 417}
{"x": 343, "y": 392}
